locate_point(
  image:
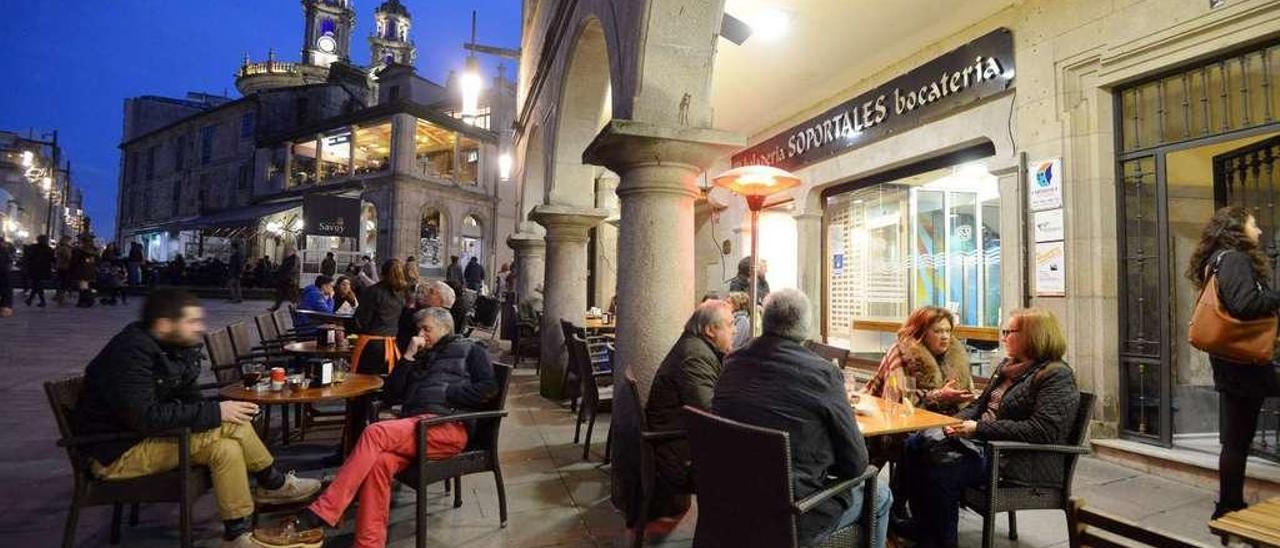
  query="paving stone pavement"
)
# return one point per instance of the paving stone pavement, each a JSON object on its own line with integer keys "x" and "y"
{"x": 555, "y": 498}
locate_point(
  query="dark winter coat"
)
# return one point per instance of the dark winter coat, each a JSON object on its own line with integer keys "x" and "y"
{"x": 37, "y": 261}
{"x": 137, "y": 384}
{"x": 452, "y": 377}
{"x": 329, "y": 267}
{"x": 687, "y": 376}
{"x": 1246, "y": 297}
{"x": 742, "y": 283}
{"x": 379, "y": 311}
{"x": 1040, "y": 407}
{"x": 778, "y": 383}
{"x": 473, "y": 275}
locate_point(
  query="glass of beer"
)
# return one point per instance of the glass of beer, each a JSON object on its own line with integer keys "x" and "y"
{"x": 250, "y": 374}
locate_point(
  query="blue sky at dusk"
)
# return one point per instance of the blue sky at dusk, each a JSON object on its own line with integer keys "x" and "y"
{"x": 69, "y": 64}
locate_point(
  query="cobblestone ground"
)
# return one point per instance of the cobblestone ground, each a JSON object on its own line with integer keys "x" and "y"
{"x": 555, "y": 498}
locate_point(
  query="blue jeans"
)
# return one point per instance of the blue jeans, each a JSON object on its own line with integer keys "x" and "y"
{"x": 884, "y": 501}
{"x": 934, "y": 490}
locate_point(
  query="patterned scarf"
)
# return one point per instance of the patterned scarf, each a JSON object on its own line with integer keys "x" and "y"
{"x": 1009, "y": 373}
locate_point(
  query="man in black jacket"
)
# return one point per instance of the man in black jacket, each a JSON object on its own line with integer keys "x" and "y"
{"x": 442, "y": 374}
{"x": 775, "y": 382}
{"x": 686, "y": 376}
{"x": 38, "y": 263}
{"x": 144, "y": 382}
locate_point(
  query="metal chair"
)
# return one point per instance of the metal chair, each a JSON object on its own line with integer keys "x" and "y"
{"x": 593, "y": 395}
{"x": 744, "y": 485}
{"x": 183, "y": 485}
{"x": 480, "y": 455}
{"x": 996, "y": 497}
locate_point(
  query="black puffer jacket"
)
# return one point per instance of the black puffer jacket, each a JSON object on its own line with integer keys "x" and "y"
{"x": 379, "y": 311}
{"x": 453, "y": 376}
{"x": 1040, "y": 407}
{"x": 1246, "y": 297}
{"x": 686, "y": 376}
{"x": 136, "y": 384}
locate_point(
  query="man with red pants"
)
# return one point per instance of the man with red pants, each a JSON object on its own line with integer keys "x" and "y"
{"x": 441, "y": 374}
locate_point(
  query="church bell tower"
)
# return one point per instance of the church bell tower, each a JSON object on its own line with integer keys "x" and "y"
{"x": 390, "y": 41}
{"x": 328, "y": 34}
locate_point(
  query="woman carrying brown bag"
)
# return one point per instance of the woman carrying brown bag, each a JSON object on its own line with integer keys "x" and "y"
{"x": 1229, "y": 249}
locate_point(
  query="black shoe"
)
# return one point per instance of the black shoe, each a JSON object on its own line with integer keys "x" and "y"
{"x": 1220, "y": 509}
{"x": 904, "y": 527}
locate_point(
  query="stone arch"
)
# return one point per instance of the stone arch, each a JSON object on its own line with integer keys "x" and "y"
{"x": 534, "y": 176}
{"x": 433, "y": 240}
{"x": 585, "y": 105}
{"x": 471, "y": 238}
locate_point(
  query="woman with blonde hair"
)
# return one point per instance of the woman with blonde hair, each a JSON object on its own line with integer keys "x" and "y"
{"x": 927, "y": 353}
{"x": 377, "y": 320}
{"x": 1032, "y": 398}
{"x": 741, "y": 318}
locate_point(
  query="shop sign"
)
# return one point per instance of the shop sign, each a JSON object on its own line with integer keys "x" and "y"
{"x": 968, "y": 74}
{"x": 331, "y": 216}
{"x": 1049, "y": 226}
{"x": 1044, "y": 184}
{"x": 1051, "y": 269}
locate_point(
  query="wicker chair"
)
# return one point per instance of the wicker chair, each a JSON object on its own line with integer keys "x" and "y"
{"x": 183, "y": 485}
{"x": 638, "y": 516}
{"x": 480, "y": 455}
{"x": 571, "y": 379}
{"x": 744, "y": 483}
{"x": 222, "y": 357}
{"x": 593, "y": 395}
{"x": 996, "y": 497}
{"x": 828, "y": 352}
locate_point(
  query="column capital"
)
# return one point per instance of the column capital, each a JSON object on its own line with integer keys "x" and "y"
{"x": 626, "y": 145}
{"x": 568, "y": 223}
{"x": 525, "y": 243}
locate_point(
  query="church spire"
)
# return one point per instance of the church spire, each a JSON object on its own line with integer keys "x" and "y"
{"x": 390, "y": 41}
{"x": 328, "y": 32}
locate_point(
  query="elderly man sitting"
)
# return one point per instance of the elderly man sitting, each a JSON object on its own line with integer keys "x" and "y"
{"x": 441, "y": 374}
{"x": 687, "y": 376}
{"x": 434, "y": 293}
{"x": 775, "y": 382}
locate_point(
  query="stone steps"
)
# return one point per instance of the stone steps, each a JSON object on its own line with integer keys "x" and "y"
{"x": 1188, "y": 466}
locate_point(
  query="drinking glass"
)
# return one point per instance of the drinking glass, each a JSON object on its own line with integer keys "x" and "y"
{"x": 250, "y": 374}
{"x": 340, "y": 370}
{"x": 908, "y": 392}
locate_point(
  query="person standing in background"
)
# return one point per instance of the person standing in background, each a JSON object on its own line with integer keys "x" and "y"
{"x": 287, "y": 279}
{"x": 411, "y": 275}
{"x": 135, "y": 263}
{"x": 453, "y": 274}
{"x": 474, "y": 275}
{"x": 1229, "y": 249}
{"x": 329, "y": 266}
{"x": 7, "y": 253}
{"x": 62, "y": 263}
{"x": 235, "y": 269}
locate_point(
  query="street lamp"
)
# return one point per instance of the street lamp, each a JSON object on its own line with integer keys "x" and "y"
{"x": 504, "y": 166}
{"x": 471, "y": 82}
{"x": 755, "y": 183}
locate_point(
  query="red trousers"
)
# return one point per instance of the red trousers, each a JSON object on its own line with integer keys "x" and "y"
{"x": 385, "y": 448}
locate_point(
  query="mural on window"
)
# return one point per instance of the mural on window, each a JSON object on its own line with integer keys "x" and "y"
{"x": 431, "y": 242}
{"x": 930, "y": 239}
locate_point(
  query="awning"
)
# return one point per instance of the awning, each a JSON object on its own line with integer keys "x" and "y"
{"x": 234, "y": 223}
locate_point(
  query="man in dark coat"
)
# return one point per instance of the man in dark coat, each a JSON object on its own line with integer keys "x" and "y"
{"x": 6, "y": 270}
{"x": 775, "y": 382}
{"x": 453, "y": 273}
{"x": 742, "y": 282}
{"x": 474, "y": 274}
{"x": 145, "y": 382}
{"x": 38, "y": 263}
{"x": 687, "y": 376}
{"x": 329, "y": 266}
{"x": 287, "y": 279}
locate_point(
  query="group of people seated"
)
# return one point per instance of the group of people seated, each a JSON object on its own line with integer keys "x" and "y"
{"x": 145, "y": 381}
{"x": 775, "y": 381}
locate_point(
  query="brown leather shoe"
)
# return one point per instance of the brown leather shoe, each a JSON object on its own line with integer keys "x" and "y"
{"x": 286, "y": 534}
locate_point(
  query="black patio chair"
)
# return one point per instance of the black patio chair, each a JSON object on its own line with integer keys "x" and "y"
{"x": 480, "y": 455}
{"x": 183, "y": 485}
{"x": 270, "y": 333}
{"x": 593, "y": 395}
{"x": 249, "y": 345}
{"x": 649, "y": 441}
{"x": 997, "y": 496}
{"x": 744, "y": 485}
{"x": 828, "y": 352}
{"x": 571, "y": 378}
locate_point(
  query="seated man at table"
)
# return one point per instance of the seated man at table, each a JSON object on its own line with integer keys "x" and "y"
{"x": 433, "y": 293}
{"x": 441, "y": 374}
{"x": 686, "y": 376}
{"x": 317, "y": 297}
{"x": 144, "y": 382}
{"x": 775, "y": 382}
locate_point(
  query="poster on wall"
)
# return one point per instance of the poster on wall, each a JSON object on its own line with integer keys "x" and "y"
{"x": 1051, "y": 269}
{"x": 837, "y": 264}
{"x": 1048, "y": 226}
{"x": 1044, "y": 184}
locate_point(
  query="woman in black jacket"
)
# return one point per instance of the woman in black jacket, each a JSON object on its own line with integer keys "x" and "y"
{"x": 1032, "y": 398}
{"x": 1229, "y": 248}
{"x": 377, "y": 320}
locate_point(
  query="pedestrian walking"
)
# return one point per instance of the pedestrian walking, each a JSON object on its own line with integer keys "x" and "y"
{"x": 37, "y": 263}
{"x": 84, "y": 270}
{"x": 7, "y": 253}
{"x": 474, "y": 275}
{"x": 287, "y": 279}
{"x": 135, "y": 263}
{"x": 62, "y": 264}
{"x": 1229, "y": 251}
{"x": 453, "y": 274}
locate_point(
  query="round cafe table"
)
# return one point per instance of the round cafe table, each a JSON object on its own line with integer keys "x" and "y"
{"x": 355, "y": 390}
{"x": 311, "y": 349}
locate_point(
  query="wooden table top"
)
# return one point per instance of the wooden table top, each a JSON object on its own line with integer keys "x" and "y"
{"x": 356, "y": 385}
{"x": 595, "y": 323}
{"x": 1259, "y": 523}
{"x": 878, "y": 417}
{"x": 310, "y": 348}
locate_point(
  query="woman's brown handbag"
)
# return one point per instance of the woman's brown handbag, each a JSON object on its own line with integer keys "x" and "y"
{"x": 1216, "y": 332}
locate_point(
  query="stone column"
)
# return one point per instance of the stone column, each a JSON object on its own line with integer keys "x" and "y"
{"x": 566, "y": 296}
{"x": 812, "y": 266}
{"x": 531, "y": 259}
{"x": 659, "y": 167}
{"x": 399, "y": 205}
{"x": 403, "y": 146}
{"x": 606, "y": 260}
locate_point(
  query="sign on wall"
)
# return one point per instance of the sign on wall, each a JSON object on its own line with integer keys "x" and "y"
{"x": 1044, "y": 184}
{"x": 1051, "y": 269}
{"x": 1049, "y": 226}
{"x": 968, "y": 74}
{"x": 331, "y": 216}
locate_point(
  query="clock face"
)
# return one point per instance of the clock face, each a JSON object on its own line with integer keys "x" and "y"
{"x": 327, "y": 44}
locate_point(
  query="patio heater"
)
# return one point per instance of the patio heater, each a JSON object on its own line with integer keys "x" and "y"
{"x": 755, "y": 183}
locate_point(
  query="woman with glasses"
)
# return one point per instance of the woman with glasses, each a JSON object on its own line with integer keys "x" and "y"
{"x": 1032, "y": 398}
{"x": 1229, "y": 249}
